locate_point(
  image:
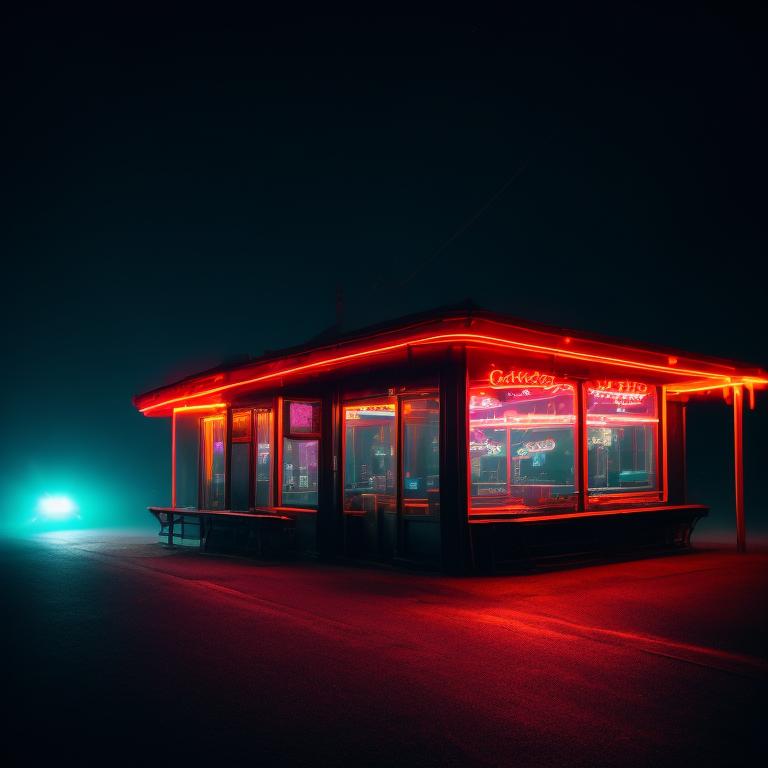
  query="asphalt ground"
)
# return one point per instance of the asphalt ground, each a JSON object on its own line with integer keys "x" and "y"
{"x": 123, "y": 651}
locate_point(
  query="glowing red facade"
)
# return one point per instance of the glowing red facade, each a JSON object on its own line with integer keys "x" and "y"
{"x": 458, "y": 438}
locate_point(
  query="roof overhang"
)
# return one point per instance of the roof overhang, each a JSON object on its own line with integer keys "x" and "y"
{"x": 683, "y": 374}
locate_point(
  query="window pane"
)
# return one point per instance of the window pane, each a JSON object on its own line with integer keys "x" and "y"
{"x": 300, "y": 472}
{"x": 522, "y": 442}
{"x": 213, "y": 462}
{"x": 421, "y": 456}
{"x": 622, "y": 429}
{"x": 239, "y": 476}
{"x": 370, "y": 461}
{"x": 263, "y": 457}
{"x": 241, "y": 425}
{"x": 303, "y": 418}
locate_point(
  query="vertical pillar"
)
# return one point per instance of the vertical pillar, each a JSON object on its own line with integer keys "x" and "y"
{"x": 674, "y": 466}
{"x": 454, "y": 526}
{"x": 228, "y": 459}
{"x": 173, "y": 459}
{"x": 738, "y": 466}
{"x": 582, "y": 447}
{"x": 329, "y": 518}
{"x": 684, "y": 436}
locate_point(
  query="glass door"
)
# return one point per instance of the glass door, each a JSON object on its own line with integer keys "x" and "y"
{"x": 420, "y": 484}
{"x": 370, "y": 477}
{"x": 421, "y": 456}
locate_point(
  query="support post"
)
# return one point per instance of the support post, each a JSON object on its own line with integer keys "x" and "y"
{"x": 738, "y": 466}
{"x": 582, "y": 447}
{"x": 173, "y": 459}
{"x": 329, "y": 515}
{"x": 454, "y": 526}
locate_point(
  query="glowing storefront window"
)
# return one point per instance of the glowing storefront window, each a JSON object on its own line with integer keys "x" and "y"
{"x": 213, "y": 428}
{"x": 622, "y": 430}
{"x": 370, "y": 458}
{"x": 301, "y": 447}
{"x": 263, "y": 457}
{"x": 522, "y": 430}
{"x": 421, "y": 456}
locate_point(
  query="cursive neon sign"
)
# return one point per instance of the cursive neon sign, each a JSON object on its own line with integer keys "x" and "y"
{"x": 499, "y": 379}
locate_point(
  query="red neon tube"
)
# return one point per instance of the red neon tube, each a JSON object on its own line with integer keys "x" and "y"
{"x": 491, "y": 341}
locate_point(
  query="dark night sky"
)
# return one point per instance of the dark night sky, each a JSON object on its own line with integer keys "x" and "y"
{"x": 182, "y": 187}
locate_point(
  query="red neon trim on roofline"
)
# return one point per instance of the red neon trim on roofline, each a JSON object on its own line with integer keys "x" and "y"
{"x": 474, "y": 338}
{"x": 206, "y": 407}
{"x": 747, "y": 381}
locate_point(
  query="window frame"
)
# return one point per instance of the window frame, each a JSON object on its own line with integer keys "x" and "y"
{"x": 374, "y": 400}
{"x": 264, "y": 407}
{"x": 585, "y": 502}
{"x": 281, "y": 435}
{"x": 401, "y": 424}
{"x": 657, "y": 495}
{"x": 201, "y": 458}
{"x": 502, "y": 511}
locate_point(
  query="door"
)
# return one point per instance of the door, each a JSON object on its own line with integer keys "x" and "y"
{"x": 370, "y": 477}
{"x": 419, "y": 537}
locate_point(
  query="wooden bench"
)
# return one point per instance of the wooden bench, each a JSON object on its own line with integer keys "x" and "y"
{"x": 169, "y": 516}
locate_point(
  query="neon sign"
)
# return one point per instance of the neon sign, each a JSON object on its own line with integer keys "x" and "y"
{"x": 498, "y": 379}
{"x": 536, "y": 446}
{"x": 619, "y": 393}
{"x": 621, "y": 387}
{"x": 381, "y": 409}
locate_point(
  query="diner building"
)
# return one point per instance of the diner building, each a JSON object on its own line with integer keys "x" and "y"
{"x": 457, "y": 439}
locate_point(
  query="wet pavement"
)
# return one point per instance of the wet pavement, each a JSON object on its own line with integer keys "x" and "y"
{"x": 122, "y": 650}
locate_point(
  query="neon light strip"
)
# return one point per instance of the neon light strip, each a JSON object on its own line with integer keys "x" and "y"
{"x": 212, "y": 406}
{"x": 706, "y": 388}
{"x": 506, "y": 404}
{"x": 533, "y": 421}
{"x": 519, "y": 424}
{"x": 490, "y": 341}
{"x": 592, "y": 421}
{"x": 566, "y": 418}
{"x": 747, "y": 381}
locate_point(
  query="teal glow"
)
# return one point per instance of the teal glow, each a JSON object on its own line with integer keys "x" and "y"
{"x": 56, "y": 507}
{"x": 66, "y": 497}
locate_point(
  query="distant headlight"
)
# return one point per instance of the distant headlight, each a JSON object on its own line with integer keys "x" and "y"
{"x": 56, "y": 507}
